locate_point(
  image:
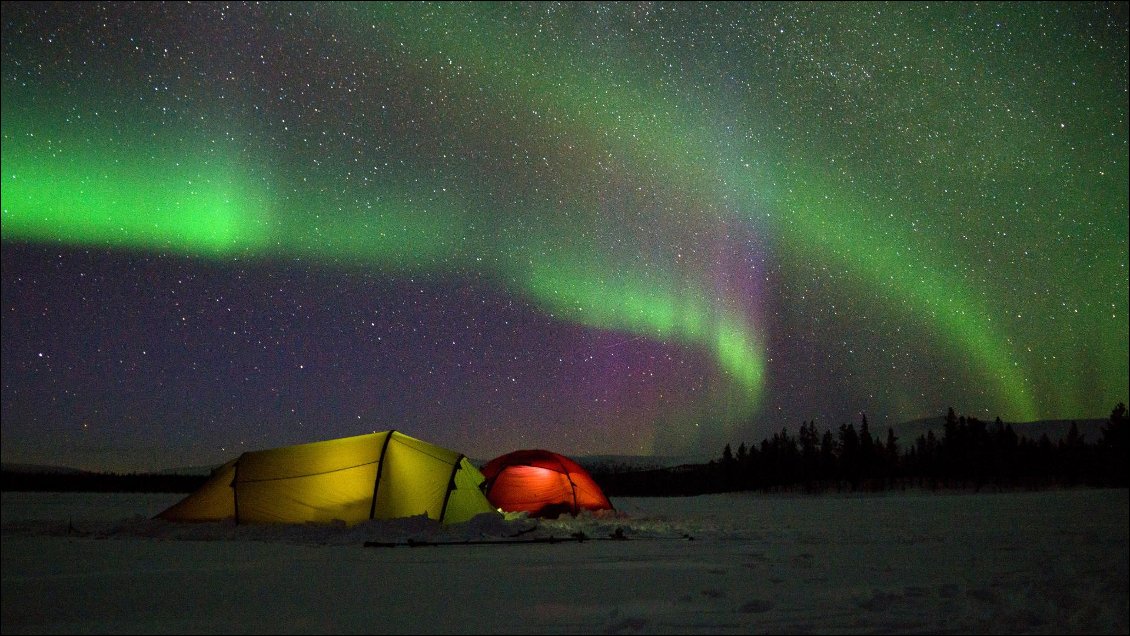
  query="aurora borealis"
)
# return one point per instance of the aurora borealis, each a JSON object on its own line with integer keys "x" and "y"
{"x": 596, "y": 228}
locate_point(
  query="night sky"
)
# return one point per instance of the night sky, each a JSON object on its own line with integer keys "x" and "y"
{"x": 632, "y": 228}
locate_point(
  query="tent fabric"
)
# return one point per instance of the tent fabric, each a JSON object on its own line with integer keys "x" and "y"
{"x": 541, "y": 483}
{"x": 376, "y": 476}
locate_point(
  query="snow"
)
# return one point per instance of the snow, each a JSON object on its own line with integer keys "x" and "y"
{"x": 906, "y": 562}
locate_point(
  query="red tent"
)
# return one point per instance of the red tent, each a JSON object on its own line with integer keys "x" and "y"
{"x": 542, "y": 483}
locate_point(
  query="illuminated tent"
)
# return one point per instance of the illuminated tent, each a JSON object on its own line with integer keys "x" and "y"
{"x": 376, "y": 476}
{"x": 541, "y": 483}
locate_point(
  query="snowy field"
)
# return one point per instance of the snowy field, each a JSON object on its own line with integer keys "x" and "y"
{"x": 1047, "y": 563}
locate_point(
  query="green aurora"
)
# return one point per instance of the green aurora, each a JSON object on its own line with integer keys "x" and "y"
{"x": 982, "y": 204}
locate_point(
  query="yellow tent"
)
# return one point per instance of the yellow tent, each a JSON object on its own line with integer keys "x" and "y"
{"x": 353, "y": 479}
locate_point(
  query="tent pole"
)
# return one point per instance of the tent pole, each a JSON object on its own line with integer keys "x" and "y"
{"x": 572, "y": 485}
{"x": 450, "y": 487}
{"x": 380, "y": 469}
{"x": 235, "y": 491}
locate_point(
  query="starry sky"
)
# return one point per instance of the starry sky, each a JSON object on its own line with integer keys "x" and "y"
{"x": 598, "y": 228}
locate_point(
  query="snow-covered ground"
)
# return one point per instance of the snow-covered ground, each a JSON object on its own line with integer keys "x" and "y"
{"x": 1041, "y": 562}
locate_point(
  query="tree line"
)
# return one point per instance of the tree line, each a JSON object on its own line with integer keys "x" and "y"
{"x": 968, "y": 454}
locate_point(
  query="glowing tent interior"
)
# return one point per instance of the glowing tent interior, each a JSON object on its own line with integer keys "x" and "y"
{"x": 376, "y": 476}
{"x": 541, "y": 483}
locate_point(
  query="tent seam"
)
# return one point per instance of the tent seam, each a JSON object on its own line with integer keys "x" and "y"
{"x": 324, "y": 472}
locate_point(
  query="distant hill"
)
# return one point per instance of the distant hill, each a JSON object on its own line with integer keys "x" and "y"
{"x": 41, "y": 469}
{"x": 35, "y": 478}
{"x": 45, "y": 469}
{"x": 187, "y": 470}
{"x": 908, "y": 432}
{"x": 623, "y": 463}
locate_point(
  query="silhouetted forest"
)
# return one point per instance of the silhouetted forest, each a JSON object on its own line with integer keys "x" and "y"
{"x": 969, "y": 454}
